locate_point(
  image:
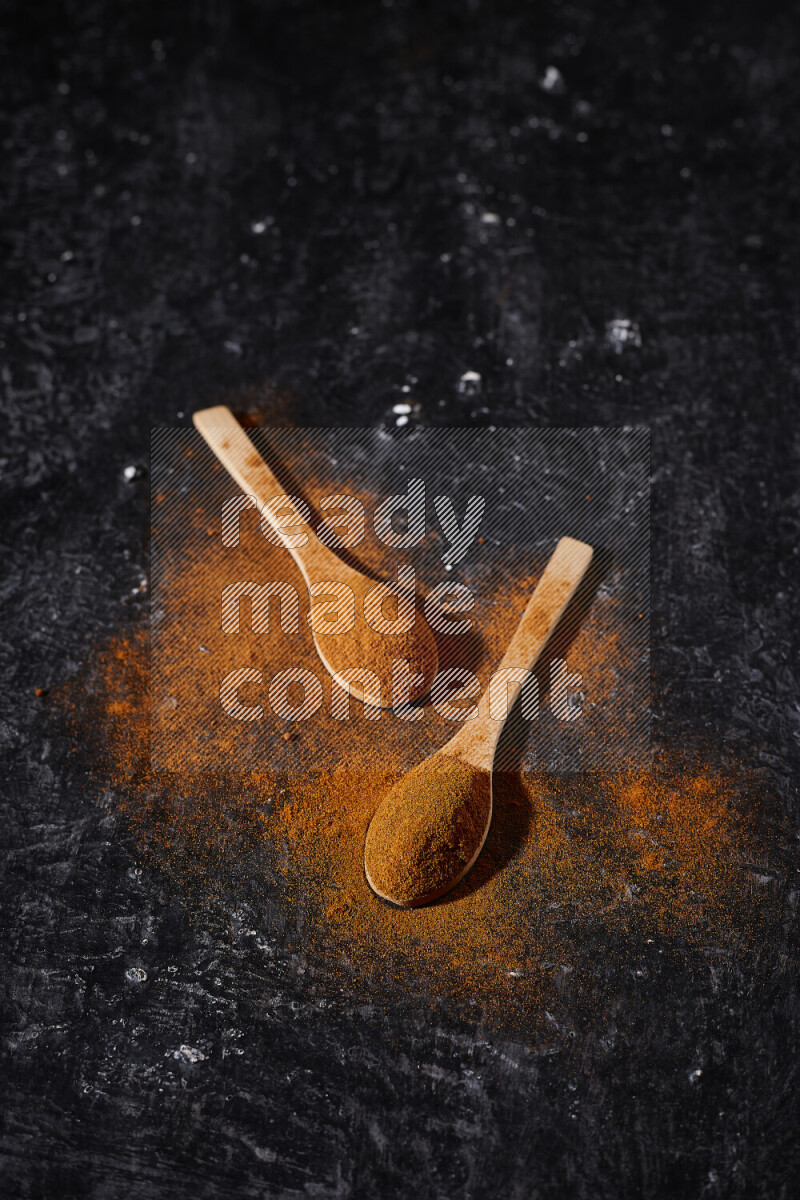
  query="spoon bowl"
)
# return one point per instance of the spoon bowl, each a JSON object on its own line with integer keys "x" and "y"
{"x": 415, "y": 850}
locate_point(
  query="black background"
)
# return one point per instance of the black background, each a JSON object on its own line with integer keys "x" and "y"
{"x": 142, "y": 142}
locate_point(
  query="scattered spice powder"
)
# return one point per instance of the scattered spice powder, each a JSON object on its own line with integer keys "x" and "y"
{"x": 192, "y": 654}
{"x": 569, "y": 860}
{"x": 572, "y": 863}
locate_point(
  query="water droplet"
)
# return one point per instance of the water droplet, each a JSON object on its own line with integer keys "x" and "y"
{"x": 552, "y": 80}
{"x": 470, "y": 384}
{"x": 622, "y": 332}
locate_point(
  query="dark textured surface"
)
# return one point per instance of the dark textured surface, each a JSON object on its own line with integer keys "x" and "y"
{"x": 145, "y": 146}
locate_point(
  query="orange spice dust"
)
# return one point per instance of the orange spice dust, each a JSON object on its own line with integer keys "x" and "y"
{"x": 236, "y": 813}
{"x": 645, "y": 853}
{"x": 192, "y": 654}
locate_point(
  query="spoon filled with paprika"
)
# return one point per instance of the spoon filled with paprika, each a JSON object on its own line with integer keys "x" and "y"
{"x": 431, "y": 825}
{"x": 359, "y": 656}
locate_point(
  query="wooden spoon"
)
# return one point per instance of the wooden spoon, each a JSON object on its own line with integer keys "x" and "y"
{"x": 431, "y": 826}
{"x": 359, "y": 648}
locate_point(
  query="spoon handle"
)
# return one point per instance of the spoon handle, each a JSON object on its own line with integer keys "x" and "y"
{"x": 475, "y": 742}
{"x": 231, "y": 445}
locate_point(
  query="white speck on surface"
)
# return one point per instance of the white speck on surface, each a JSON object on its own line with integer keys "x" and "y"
{"x": 232, "y": 347}
{"x": 188, "y": 1054}
{"x": 490, "y": 218}
{"x": 401, "y": 409}
{"x": 470, "y": 383}
{"x": 130, "y": 473}
{"x": 261, "y": 226}
{"x": 695, "y": 1075}
{"x": 621, "y": 332}
{"x": 401, "y": 420}
{"x": 552, "y": 80}
{"x": 136, "y": 975}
